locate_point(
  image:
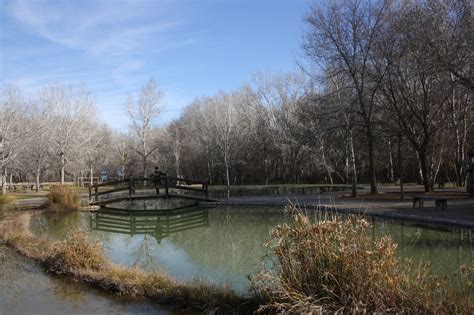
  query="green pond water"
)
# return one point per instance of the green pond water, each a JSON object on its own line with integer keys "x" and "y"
{"x": 26, "y": 289}
{"x": 224, "y": 245}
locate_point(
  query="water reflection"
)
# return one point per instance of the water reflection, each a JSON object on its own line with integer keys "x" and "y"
{"x": 26, "y": 289}
{"x": 159, "y": 225}
{"x": 224, "y": 244}
{"x": 152, "y": 204}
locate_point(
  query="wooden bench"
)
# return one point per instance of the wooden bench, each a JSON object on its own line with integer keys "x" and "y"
{"x": 440, "y": 202}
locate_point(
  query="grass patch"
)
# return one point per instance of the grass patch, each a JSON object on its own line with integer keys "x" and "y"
{"x": 6, "y": 199}
{"x": 63, "y": 197}
{"x": 334, "y": 266}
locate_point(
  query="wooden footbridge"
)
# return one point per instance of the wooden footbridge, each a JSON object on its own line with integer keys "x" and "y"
{"x": 135, "y": 188}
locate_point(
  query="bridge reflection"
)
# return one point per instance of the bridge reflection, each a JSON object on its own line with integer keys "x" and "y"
{"x": 160, "y": 224}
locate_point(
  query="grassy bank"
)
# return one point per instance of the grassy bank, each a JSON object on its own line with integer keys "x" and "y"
{"x": 83, "y": 259}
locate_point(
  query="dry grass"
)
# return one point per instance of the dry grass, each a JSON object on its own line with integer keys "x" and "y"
{"x": 83, "y": 259}
{"x": 76, "y": 253}
{"x": 63, "y": 197}
{"x": 6, "y": 199}
{"x": 15, "y": 232}
{"x": 334, "y": 266}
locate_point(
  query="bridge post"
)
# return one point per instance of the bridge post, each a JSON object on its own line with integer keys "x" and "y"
{"x": 166, "y": 187}
{"x": 96, "y": 190}
{"x": 206, "y": 189}
{"x": 90, "y": 193}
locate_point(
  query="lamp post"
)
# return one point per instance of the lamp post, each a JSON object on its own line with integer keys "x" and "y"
{"x": 470, "y": 178}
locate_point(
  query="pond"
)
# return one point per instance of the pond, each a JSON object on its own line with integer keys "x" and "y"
{"x": 26, "y": 289}
{"x": 223, "y": 245}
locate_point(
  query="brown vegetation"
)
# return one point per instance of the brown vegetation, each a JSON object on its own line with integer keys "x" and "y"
{"x": 6, "y": 199}
{"x": 335, "y": 266}
{"x": 63, "y": 197}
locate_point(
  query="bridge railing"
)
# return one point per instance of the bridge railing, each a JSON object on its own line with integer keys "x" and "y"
{"x": 131, "y": 185}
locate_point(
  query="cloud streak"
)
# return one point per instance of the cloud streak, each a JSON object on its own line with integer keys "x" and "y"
{"x": 98, "y": 28}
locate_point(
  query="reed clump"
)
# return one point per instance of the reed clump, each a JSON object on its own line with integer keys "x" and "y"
{"x": 77, "y": 252}
{"x": 63, "y": 197}
{"x": 334, "y": 266}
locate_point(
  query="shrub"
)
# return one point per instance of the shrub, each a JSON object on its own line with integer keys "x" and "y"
{"x": 77, "y": 252}
{"x": 334, "y": 266}
{"x": 64, "y": 197}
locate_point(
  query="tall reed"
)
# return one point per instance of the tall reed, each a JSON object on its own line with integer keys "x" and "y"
{"x": 335, "y": 266}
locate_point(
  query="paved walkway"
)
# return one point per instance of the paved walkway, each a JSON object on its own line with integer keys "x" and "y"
{"x": 460, "y": 211}
{"x": 36, "y": 202}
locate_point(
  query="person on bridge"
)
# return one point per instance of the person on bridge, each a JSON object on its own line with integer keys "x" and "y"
{"x": 157, "y": 176}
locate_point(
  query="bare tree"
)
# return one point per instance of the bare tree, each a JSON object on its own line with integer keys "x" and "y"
{"x": 282, "y": 95}
{"x": 38, "y": 142}
{"x": 413, "y": 93}
{"x": 447, "y": 38}
{"x": 143, "y": 112}
{"x": 72, "y": 109}
{"x": 341, "y": 36}
{"x": 12, "y": 113}
{"x": 175, "y": 138}
{"x": 222, "y": 120}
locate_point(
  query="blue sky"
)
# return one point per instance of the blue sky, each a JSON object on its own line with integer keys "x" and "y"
{"x": 113, "y": 47}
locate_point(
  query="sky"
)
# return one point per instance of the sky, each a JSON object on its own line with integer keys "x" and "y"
{"x": 113, "y": 47}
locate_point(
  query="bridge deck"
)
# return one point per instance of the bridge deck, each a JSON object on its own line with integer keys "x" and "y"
{"x": 102, "y": 203}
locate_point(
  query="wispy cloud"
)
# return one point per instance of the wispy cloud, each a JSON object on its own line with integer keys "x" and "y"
{"x": 109, "y": 45}
{"x": 98, "y": 27}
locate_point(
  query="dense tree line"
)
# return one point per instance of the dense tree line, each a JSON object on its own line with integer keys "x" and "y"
{"x": 385, "y": 94}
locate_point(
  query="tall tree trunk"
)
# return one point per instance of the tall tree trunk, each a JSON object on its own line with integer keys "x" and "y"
{"x": 353, "y": 165}
{"x": 227, "y": 173}
{"x": 323, "y": 157}
{"x": 347, "y": 171}
{"x": 372, "y": 170}
{"x": 425, "y": 167}
{"x": 37, "y": 177}
{"x": 400, "y": 166}
{"x": 62, "y": 168}
{"x": 4, "y": 180}
{"x": 391, "y": 175}
{"x": 91, "y": 175}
